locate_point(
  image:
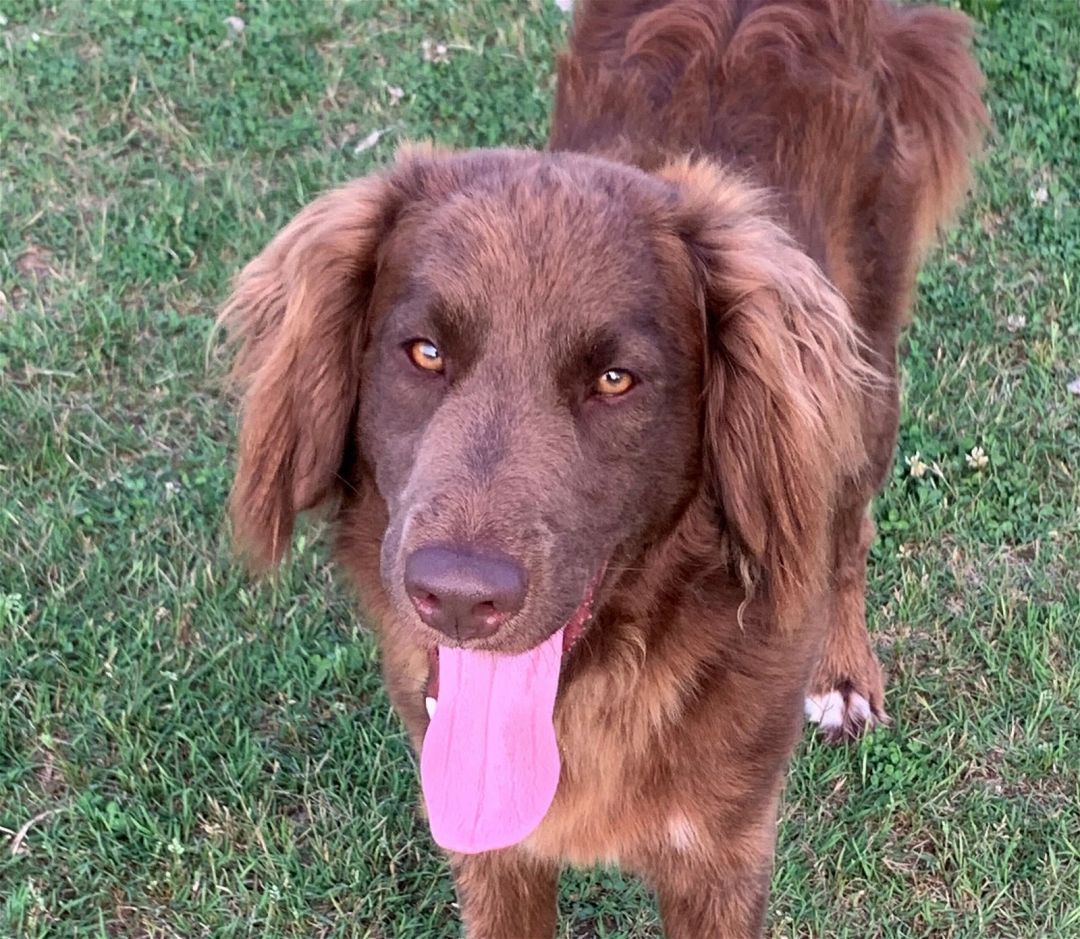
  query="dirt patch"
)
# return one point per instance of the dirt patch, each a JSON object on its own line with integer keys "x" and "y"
{"x": 36, "y": 263}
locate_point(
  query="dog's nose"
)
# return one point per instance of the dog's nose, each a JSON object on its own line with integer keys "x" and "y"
{"x": 464, "y": 593}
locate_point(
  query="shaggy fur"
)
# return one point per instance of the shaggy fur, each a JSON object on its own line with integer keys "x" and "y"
{"x": 733, "y": 209}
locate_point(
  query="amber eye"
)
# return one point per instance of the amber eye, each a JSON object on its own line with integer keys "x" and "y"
{"x": 615, "y": 381}
{"x": 425, "y": 354}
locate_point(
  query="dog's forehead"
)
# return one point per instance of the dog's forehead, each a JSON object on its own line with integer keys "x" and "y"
{"x": 545, "y": 246}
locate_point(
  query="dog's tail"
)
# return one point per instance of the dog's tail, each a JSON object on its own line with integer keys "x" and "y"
{"x": 935, "y": 87}
{"x": 638, "y": 79}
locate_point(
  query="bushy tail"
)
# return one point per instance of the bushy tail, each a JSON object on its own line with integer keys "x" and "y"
{"x": 936, "y": 89}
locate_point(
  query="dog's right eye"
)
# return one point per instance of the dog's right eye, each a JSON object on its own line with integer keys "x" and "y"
{"x": 614, "y": 382}
{"x": 425, "y": 355}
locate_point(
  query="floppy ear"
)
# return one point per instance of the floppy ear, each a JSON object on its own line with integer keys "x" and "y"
{"x": 784, "y": 380}
{"x": 297, "y": 317}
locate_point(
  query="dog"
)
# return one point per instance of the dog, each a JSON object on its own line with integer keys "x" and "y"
{"x": 597, "y": 429}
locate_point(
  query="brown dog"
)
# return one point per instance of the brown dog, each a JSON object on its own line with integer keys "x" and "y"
{"x": 600, "y": 428}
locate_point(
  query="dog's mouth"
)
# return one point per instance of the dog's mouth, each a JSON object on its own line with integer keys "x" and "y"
{"x": 572, "y": 631}
{"x": 490, "y": 765}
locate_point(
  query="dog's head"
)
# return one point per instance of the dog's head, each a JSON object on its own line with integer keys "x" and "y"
{"x": 539, "y": 361}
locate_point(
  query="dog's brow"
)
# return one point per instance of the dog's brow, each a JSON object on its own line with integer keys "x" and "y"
{"x": 455, "y": 326}
{"x": 448, "y": 318}
{"x": 628, "y": 340}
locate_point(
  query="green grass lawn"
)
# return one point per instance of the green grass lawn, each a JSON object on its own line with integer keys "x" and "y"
{"x": 184, "y": 753}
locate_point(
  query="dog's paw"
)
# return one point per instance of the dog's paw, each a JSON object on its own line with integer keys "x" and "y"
{"x": 843, "y": 713}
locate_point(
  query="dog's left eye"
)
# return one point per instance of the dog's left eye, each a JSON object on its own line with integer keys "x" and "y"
{"x": 615, "y": 381}
{"x": 426, "y": 355}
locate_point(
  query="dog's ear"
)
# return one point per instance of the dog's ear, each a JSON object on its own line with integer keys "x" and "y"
{"x": 296, "y": 318}
{"x": 784, "y": 378}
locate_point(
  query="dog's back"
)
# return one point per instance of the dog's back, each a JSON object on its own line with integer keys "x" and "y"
{"x": 862, "y": 116}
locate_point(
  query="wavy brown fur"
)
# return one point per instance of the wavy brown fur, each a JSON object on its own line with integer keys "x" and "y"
{"x": 738, "y": 198}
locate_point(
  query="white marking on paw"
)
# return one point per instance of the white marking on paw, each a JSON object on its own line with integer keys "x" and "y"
{"x": 430, "y": 704}
{"x": 683, "y": 834}
{"x": 825, "y": 709}
{"x": 859, "y": 708}
{"x": 832, "y": 713}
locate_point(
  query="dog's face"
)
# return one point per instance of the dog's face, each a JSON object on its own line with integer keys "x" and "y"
{"x": 537, "y": 361}
{"x": 529, "y": 397}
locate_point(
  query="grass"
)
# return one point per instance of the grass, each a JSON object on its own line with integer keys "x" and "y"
{"x": 186, "y": 754}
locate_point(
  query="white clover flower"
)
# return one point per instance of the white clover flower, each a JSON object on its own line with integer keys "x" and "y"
{"x": 977, "y": 458}
{"x": 916, "y": 465}
{"x": 436, "y": 52}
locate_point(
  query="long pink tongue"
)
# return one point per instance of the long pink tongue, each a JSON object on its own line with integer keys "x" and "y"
{"x": 489, "y": 766}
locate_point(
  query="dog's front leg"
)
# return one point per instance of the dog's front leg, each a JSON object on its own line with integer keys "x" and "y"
{"x": 506, "y": 895}
{"x": 706, "y": 904}
{"x": 716, "y": 890}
